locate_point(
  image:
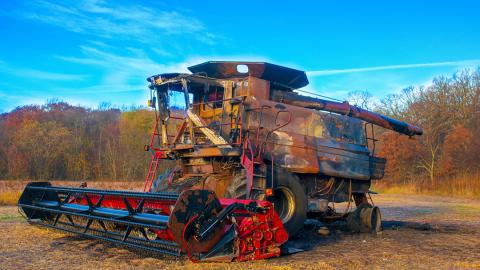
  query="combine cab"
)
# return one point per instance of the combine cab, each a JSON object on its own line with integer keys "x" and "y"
{"x": 241, "y": 132}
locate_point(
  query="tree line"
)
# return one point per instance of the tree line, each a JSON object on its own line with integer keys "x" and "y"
{"x": 61, "y": 141}
{"x": 448, "y": 110}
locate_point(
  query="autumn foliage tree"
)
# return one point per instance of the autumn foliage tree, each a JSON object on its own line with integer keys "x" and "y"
{"x": 60, "y": 141}
{"x": 402, "y": 156}
{"x": 459, "y": 153}
{"x": 448, "y": 112}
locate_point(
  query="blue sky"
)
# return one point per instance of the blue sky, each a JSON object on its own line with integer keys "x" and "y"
{"x": 87, "y": 52}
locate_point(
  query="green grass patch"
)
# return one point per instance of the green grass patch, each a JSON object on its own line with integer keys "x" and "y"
{"x": 467, "y": 209}
{"x": 7, "y": 218}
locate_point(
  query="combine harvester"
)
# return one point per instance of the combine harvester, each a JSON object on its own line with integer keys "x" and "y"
{"x": 253, "y": 159}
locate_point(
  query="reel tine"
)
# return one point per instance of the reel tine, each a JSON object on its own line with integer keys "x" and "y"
{"x": 89, "y": 222}
{"x": 144, "y": 233}
{"x": 66, "y": 198}
{"x": 70, "y": 219}
{"x": 57, "y": 218}
{"x": 127, "y": 233}
{"x": 128, "y": 206}
{"x": 140, "y": 206}
{"x": 99, "y": 202}
{"x": 102, "y": 224}
{"x": 90, "y": 204}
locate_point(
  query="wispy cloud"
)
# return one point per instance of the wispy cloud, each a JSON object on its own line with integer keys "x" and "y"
{"x": 128, "y": 71}
{"x": 38, "y": 74}
{"x": 108, "y": 20}
{"x": 393, "y": 67}
{"x": 115, "y": 37}
{"x": 118, "y": 72}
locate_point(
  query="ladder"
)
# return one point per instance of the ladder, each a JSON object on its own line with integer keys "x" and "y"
{"x": 256, "y": 169}
{"x": 152, "y": 172}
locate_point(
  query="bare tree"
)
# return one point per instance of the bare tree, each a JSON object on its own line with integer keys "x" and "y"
{"x": 361, "y": 98}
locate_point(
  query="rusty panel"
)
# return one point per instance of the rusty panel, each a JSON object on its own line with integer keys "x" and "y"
{"x": 312, "y": 141}
{"x": 213, "y": 152}
{"x": 377, "y": 167}
{"x": 258, "y": 88}
{"x": 346, "y": 109}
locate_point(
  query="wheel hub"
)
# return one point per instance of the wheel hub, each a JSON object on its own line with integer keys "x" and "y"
{"x": 284, "y": 203}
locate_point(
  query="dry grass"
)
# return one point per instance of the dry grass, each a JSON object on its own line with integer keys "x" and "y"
{"x": 419, "y": 232}
{"x": 9, "y": 197}
{"x": 465, "y": 186}
{"x": 10, "y": 190}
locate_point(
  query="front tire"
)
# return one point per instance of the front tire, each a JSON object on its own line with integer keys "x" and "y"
{"x": 288, "y": 198}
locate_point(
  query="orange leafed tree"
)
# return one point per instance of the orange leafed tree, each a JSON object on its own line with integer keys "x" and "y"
{"x": 458, "y": 152}
{"x": 402, "y": 154}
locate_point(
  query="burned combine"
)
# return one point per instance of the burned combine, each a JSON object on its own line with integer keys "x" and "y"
{"x": 251, "y": 159}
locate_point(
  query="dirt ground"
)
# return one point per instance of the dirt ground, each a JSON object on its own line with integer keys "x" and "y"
{"x": 419, "y": 232}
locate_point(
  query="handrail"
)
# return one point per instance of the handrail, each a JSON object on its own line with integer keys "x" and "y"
{"x": 372, "y": 139}
{"x": 247, "y": 146}
{"x": 221, "y": 101}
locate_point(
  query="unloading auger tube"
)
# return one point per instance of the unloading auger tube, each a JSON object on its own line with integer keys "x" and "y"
{"x": 344, "y": 108}
{"x": 194, "y": 222}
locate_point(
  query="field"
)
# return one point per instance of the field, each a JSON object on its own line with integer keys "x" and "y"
{"x": 462, "y": 186}
{"x": 419, "y": 232}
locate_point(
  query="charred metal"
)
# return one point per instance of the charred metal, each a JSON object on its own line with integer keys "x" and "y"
{"x": 233, "y": 126}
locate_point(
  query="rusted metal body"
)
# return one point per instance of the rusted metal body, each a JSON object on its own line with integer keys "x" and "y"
{"x": 245, "y": 118}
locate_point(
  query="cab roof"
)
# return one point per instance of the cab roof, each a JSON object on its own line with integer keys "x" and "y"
{"x": 280, "y": 77}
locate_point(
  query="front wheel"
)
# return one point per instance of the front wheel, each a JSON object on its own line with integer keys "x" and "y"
{"x": 289, "y": 200}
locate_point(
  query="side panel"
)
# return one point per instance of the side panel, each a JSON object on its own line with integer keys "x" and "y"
{"x": 310, "y": 141}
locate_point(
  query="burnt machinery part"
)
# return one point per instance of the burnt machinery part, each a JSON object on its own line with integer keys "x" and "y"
{"x": 92, "y": 213}
{"x": 366, "y": 218}
{"x": 238, "y": 186}
{"x": 344, "y": 108}
{"x": 289, "y": 199}
{"x": 194, "y": 222}
{"x": 204, "y": 205}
